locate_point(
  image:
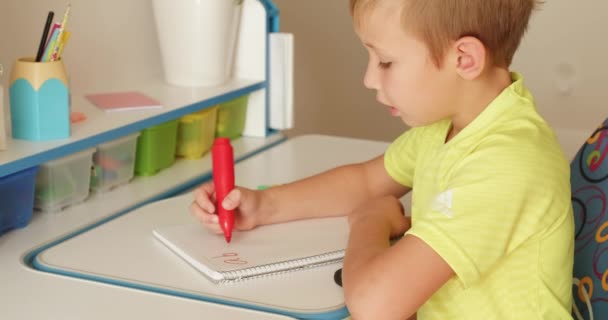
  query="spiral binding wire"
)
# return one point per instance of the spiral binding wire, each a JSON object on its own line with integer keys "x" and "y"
{"x": 282, "y": 267}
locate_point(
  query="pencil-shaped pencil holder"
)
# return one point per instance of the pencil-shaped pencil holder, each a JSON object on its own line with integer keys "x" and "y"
{"x": 39, "y": 100}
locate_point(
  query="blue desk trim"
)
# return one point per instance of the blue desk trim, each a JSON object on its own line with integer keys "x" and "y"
{"x": 272, "y": 12}
{"x": 338, "y": 314}
{"x": 31, "y": 258}
{"x": 272, "y": 25}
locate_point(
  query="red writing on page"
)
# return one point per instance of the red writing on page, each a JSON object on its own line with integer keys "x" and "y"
{"x": 231, "y": 258}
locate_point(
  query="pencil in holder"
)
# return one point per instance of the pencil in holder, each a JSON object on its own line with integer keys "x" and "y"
{"x": 39, "y": 100}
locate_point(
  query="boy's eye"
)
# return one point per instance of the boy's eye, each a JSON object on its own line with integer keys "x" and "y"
{"x": 384, "y": 65}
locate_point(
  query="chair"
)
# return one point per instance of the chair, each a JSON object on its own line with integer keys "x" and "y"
{"x": 589, "y": 180}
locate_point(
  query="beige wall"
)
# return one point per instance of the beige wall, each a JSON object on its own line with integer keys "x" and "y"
{"x": 563, "y": 58}
{"x": 111, "y": 40}
{"x": 330, "y": 63}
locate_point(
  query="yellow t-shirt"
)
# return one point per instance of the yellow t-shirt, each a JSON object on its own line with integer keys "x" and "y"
{"x": 494, "y": 203}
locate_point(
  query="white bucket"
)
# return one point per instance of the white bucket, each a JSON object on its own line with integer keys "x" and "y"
{"x": 197, "y": 39}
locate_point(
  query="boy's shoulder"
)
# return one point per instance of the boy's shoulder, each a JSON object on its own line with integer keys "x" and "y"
{"x": 518, "y": 130}
{"x": 526, "y": 144}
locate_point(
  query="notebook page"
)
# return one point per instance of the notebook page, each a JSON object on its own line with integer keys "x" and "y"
{"x": 265, "y": 245}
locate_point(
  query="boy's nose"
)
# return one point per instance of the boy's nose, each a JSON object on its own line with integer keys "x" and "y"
{"x": 370, "y": 80}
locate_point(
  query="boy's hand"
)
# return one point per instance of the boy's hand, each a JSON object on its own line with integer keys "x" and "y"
{"x": 385, "y": 212}
{"x": 244, "y": 201}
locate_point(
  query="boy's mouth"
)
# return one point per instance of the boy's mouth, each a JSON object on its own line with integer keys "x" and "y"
{"x": 394, "y": 111}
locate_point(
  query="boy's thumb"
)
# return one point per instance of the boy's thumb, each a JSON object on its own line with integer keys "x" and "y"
{"x": 232, "y": 200}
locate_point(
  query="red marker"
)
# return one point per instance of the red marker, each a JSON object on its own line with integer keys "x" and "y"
{"x": 223, "y": 179}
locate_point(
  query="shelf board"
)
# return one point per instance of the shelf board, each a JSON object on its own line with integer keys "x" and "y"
{"x": 102, "y": 126}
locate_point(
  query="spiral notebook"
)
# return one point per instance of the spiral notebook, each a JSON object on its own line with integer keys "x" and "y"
{"x": 263, "y": 251}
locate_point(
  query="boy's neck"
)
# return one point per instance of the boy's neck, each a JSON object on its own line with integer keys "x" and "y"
{"x": 476, "y": 95}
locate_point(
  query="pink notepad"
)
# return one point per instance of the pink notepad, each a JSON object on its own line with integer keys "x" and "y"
{"x": 120, "y": 101}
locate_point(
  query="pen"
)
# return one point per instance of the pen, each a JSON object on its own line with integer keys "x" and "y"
{"x": 223, "y": 179}
{"x": 46, "y": 56}
{"x": 47, "y": 25}
{"x": 64, "y": 23}
{"x": 55, "y": 26}
{"x": 64, "y": 40}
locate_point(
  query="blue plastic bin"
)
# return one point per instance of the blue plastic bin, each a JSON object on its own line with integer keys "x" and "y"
{"x": 17, "y": 199}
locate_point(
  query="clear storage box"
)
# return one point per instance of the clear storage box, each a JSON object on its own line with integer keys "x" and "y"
{"x": 114, "y": 163}
{"x": 63, "y": 182}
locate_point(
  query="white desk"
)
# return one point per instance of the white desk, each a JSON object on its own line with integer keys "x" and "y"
{"x": 28, "y": 293}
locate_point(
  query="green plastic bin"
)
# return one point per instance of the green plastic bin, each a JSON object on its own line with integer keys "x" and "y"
{"x": 156, "y": 148}
{"x": 231, "y": 117}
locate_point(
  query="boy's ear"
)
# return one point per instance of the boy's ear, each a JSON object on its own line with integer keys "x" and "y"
{"x": 471, "y": 57}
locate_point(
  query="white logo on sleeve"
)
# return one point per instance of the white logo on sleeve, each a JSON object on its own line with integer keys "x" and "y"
{"x": 443, "y": 203}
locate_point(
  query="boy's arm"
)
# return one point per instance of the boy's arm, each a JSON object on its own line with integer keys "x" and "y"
{"x": 383, "y": 281}
{"x": 331, "y": 193}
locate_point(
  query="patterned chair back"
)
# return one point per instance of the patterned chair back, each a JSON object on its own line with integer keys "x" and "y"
{"x": 589, "y": 179}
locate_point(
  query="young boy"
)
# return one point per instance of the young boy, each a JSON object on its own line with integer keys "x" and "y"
{"x": 491, "y": 229}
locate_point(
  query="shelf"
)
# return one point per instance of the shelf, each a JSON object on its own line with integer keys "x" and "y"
{"x": 102, "y": 126}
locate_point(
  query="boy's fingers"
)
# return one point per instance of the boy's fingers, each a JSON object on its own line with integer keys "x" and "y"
{"x": 232, "y": 200}
{"x": 208, "y": 188}
{"x": 212, "y": 226}
{"x": 209, "y": 220}
{"x": 196, "y": 210}
{"x": 204, "y": 200}
{"x": 201, "y": 214}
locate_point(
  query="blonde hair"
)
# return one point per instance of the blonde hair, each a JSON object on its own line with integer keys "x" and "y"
{"x": 498, "y": 24}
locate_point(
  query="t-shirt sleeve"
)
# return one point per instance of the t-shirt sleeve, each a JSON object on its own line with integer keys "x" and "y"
{"x": 400, "y": 157}
{"x": 488, "y": 208}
